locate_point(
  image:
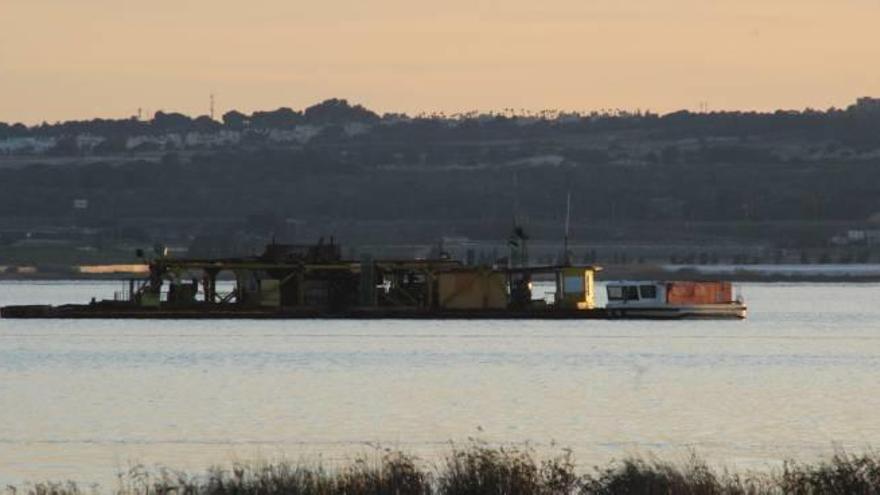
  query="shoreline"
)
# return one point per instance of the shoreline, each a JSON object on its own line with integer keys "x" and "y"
{"x": 743, "y": 273}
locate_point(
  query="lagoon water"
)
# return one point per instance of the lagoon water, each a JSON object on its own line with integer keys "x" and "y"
{"x": 84, "y": 400}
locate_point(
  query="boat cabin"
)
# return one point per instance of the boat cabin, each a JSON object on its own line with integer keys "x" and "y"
{"x": 636, "y": 293}
{"x": 655, "y": 293}
{"x": 575, "y": 287}
{"x": 653, "y": 299}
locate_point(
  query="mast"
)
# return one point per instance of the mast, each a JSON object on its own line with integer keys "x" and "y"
{"x": 566, "y": 259}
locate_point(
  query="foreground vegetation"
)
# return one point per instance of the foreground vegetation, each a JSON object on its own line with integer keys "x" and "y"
{"x": 483, "y": 470}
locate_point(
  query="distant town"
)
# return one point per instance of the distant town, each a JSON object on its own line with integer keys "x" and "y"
{"x": 685, "y": 189}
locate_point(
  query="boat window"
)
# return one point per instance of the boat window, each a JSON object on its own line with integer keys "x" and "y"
{"x": 648, "y": 291}
{"x": 631, "y": 293}
{"x": 573, "y": 284}
{"x": 615, "y": 293}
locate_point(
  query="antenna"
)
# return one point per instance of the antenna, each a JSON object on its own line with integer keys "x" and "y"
{"x": 516, "y": 197}
{"x": 566, "y": 259}
{"x": 518, "y": 241}
{"x": 212, "y": 106}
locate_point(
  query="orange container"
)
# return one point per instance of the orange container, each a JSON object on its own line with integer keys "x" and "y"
{"x": 699, "y": 292}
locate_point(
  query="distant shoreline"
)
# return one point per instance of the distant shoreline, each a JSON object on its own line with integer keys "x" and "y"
{"x": 864, "y": 273}
{"x": 793, "y": 273}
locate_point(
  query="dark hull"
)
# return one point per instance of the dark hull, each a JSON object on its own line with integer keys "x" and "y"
{"x": 99, "y": 311}
{"x": 733, "y": 311}
{"x": 203, "y": 313}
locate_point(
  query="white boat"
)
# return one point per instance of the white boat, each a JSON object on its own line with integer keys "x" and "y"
{"x": 673, "y": 299}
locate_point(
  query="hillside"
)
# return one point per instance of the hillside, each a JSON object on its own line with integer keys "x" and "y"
{"x": 753, "y": 182}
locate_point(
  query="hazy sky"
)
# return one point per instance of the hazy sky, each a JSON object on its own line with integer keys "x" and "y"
{"x": 69, "y": 59}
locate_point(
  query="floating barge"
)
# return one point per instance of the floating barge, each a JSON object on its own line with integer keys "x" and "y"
{"x": 294, "y": 281}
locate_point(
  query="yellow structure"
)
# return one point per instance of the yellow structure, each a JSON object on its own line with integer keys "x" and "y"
{"x": 472, "y": 289}
{"x": 575, "y": 288}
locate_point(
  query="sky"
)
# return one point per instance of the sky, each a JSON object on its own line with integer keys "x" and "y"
{"x": 80, "y": 59}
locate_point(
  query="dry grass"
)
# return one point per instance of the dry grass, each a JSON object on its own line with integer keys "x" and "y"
{"x": 478, "y": 469}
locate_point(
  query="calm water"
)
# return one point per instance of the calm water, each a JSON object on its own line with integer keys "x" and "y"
{"x": 85, "y": 399}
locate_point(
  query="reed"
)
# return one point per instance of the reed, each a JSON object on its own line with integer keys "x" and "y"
{"x": 478, "y": 469}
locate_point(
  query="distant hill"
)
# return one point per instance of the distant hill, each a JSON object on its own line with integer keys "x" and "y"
{"x": 723, "y": 175}
{"x": 853, "y": 128}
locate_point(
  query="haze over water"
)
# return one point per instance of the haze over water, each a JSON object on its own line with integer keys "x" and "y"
{"x": 84, "y": 399}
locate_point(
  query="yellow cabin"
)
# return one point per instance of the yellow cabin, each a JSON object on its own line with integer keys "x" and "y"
{"x": 574, "y": 287}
